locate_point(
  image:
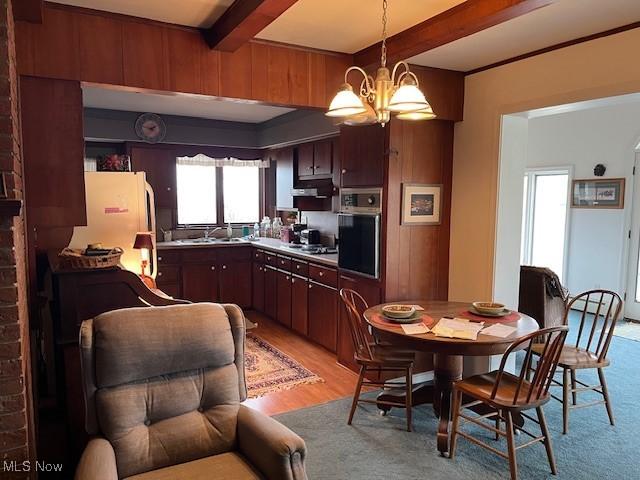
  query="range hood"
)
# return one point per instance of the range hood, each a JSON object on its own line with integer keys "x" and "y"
{"x": 316, "y": 192}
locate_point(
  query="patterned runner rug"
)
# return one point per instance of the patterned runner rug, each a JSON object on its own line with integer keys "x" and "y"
{"x": 269, "y": 370}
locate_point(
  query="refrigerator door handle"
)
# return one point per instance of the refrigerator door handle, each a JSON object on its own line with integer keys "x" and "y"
{"x": 151, "y": 220}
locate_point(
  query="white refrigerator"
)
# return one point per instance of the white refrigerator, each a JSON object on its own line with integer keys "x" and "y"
{"x": 119, "y": 204}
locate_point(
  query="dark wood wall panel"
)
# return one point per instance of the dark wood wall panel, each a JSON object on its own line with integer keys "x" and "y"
{"x": 87, "y": 45}
{"x": 417, "y": 262}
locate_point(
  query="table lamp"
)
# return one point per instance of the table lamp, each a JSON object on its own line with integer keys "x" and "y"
{"x": 144, "y": 242}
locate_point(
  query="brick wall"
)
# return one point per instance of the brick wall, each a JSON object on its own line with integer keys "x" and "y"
{"x": 16, "y": 430}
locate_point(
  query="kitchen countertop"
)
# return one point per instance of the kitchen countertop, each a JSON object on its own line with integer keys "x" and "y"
{"x": 271, "y": 244}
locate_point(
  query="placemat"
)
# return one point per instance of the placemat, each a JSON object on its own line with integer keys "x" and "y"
{"x": 512, "y": 317}
{"x": 380, "y": 319}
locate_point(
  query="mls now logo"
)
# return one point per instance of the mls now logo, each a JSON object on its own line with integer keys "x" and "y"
{"x": 27, "y": 466}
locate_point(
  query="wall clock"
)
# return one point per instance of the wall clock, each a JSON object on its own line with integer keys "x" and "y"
{"x": 150, "y": 128}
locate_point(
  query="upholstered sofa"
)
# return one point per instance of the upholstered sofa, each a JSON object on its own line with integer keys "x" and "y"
{"x": 163, "y": 387}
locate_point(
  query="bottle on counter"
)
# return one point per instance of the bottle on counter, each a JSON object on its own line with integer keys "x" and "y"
{"x": 229, "y": 230}
{"x": 256, "y": 230}
{"x": 265, "y": 226}
{"x": 276, "y": 227}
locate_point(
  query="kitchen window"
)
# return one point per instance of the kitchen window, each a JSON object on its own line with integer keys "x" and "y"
{"x": 218, "y": 191}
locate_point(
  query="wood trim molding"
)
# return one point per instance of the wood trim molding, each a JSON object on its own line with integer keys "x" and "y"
{"x": 242, "y": 21}
{"x": 558, "y": 46}
{"x": 460, "y": 21}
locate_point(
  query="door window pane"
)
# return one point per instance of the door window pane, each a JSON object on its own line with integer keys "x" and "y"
{"x": 196, "y": 193}
{"x": 241, "y": 194}
{"x": 549, "y": 222}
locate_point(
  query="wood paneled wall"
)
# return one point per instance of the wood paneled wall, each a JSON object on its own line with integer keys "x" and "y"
{"x": 80, "y": 44}
{"x": 417, "y": 256}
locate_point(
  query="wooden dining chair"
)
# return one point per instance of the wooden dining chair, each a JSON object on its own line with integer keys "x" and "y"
{"x": 589, "y": 352}
{"x": 507, "y": 394}
{"x": 375, "y": 357}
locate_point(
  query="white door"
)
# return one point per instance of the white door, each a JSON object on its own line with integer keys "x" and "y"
{"x": 632, "y": 301}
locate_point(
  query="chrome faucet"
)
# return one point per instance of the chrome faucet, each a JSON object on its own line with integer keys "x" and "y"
{"x": 208, "y": 232}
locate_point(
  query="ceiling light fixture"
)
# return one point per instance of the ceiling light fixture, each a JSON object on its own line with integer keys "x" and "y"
{"x": 395, "y": 92}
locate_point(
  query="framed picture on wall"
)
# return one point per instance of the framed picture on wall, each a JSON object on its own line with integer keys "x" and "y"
{"x": 421, "y": 204}
{"x": 598, "y": 193}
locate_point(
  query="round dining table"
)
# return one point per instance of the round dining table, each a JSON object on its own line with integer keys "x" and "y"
{"x": 448, "y": 353}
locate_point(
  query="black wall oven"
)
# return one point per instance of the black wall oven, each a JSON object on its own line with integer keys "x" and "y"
{"x": 359, "y": 231}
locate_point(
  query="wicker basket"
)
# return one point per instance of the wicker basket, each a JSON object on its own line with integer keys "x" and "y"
{"x": 75, "y": 259}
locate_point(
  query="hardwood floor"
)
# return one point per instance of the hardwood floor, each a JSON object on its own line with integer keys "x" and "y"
{"x": 338, "y": 382}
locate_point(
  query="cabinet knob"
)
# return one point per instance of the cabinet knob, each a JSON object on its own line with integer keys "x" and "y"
{"x": 344, "y": 170}
{"x": 321, "y": 274}
{"x": 213, "y": 267}
{"x": 159, "y": 259}
{"x": 281, "y": 262}
{"x": 168, "y": 189}
{"x": 159, "y": 274}
{"x": 297, "y": 267}
{"x": 293, "y": 280}
{"x": 286, "y": 277}
{"x": 224, "y": 267}
{"x": 309, "y": 286}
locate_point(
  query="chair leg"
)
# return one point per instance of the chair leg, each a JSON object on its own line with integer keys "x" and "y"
{"x": 511, "y": 443}
{"x": 408, "y": 396}
{"x": 457, "y": 400}
{"x": 574, "y": 385}
{"x": 547, "y": 440}
{"x": 605, "y": 392}
{"x": 356, "y": 395}
{"x": 565, "y": 401}
{"x": 497, "y": 424}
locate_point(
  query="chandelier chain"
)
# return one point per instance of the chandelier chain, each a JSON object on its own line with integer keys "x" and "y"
{"x": 383, "y": 60}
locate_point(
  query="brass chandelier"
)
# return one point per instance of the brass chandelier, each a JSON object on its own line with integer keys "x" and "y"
{"x": 395, "y": 92}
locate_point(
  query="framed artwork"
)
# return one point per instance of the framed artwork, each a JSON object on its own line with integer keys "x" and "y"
{"x": 421, "y": 204}
{"x": 598, "y": 193}
{"x": 114, "y": 163}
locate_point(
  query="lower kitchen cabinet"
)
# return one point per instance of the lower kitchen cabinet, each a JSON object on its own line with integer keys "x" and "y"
{"x": 323, "y": 315}
{"x": 200, "y": 282}
{"x": 258, "y": 287}
{"x": 270, "y": 291}
{"x": 283, "y": 309}
{"x": 299, "y": 304}
{"x": 235, "y": 283}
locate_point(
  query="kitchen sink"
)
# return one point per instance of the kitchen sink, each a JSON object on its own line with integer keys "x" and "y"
{"x": 211, "y": 240}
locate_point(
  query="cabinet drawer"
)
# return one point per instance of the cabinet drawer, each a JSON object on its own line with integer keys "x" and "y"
{"x": 234, "y": 254}
{"x": 284, "y": 263}
{"x": 198, "y": 255}
{"x": 169, "y": 257}
{"x": 168, "y": 274}
{"x": 258, "y": 256}
{"x": 299, "y": 267}
{"x": 271, "y": 259}
{"x": 325, "y": 275}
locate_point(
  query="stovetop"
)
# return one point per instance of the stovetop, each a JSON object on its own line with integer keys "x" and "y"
{"x": 311, "y": 249}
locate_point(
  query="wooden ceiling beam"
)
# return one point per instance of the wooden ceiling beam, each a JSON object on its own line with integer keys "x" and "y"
{"x": 27, "y": 10}
{"x": 460, "y": 21}
{"x": 242, "y": 21}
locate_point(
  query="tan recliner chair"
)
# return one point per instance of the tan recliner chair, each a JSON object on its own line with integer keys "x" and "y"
{"x": 163, "y": 387}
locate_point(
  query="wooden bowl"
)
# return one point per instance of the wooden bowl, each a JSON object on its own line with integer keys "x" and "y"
{"x": 398, "y": 311}
{"x": 490, "y": 308}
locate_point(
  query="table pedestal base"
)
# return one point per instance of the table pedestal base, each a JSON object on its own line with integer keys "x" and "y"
{"x": 447, "y": 369}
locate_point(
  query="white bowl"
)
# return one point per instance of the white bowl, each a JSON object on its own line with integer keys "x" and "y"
{"x": 399, "y": 311}
{"x": 491, "y": 308}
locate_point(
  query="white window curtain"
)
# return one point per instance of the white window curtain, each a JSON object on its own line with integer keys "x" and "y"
{"x": 203, "y": 160}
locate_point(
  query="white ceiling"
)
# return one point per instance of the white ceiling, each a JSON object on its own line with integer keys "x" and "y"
{"x": 198, "y": 106}
{"x": 348, "y": 25}
{"x": 194, "y": 13}
{"x": 559, "y": 22}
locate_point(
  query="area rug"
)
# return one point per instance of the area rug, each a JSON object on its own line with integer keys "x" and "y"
{"x": 630, "y": 330}
{"x": 269, "y": 370}
{"x": 378, "y": 448}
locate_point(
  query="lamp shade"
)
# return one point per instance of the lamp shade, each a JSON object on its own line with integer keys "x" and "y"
{"x": 345, "y": 103}
{"x": 407, "y": 98}
{"x": 143, "y": 240}
{"x": 422, "y": 114}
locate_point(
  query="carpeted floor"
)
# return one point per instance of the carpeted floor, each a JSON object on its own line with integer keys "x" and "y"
{"x": 630, "y": 330}
{"x": 377, "y": 447}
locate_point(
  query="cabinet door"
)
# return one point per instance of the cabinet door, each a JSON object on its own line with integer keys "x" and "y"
{"x": 270, "y": 291}
{"x": 362, "y": 155}
{"x": 299, "y": 306}
{"x": 305, "y": 160}
{"x": 322, "y": 157}
{"x": 284, "y": 178}
{"x": 372, "y": 293}
{"x": 200, "y": 282}
{"x": 235, "y": 283}
{"x": 323, "y": 315}
{"x": 258, "y": 287}
{"x": 159, "y": 164}
{"x": 284, "y": 299}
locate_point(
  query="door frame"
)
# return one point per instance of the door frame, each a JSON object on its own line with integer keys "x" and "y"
{"x": 629, "y": 273}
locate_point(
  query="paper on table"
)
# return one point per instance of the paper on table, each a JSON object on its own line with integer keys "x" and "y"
{"x": 458, "y": 328}
{"x": 418, "y": 308}
{"x": 499, "y": 330}
{"x": 415, "y": 328}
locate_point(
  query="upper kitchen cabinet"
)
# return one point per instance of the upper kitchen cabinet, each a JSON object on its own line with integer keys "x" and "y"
{"x": 284, "y": 177}
{"x": 52, "y": 131}
{"x": 363, "y": 153}
{"x": 315, "y": 160}
{"x": 159, "y": 164}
